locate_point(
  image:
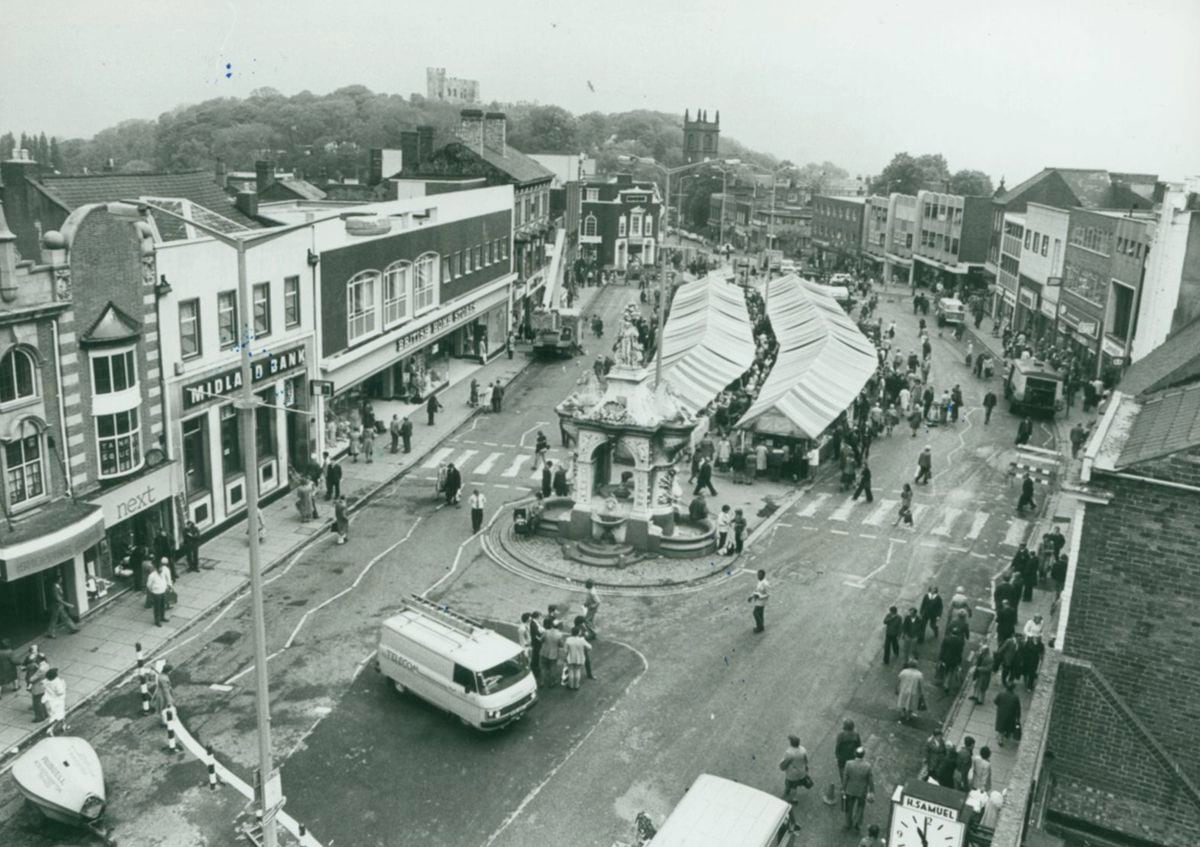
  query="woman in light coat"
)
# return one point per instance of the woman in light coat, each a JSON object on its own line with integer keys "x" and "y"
{"x": 908, "y": 690}
{"x": 54, "y": 699}
{"x": 164, "y": 695}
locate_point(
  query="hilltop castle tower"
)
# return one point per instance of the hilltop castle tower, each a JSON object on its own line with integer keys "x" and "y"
{"x": 700, "y": 137}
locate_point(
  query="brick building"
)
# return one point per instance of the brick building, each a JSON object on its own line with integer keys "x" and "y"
{"x": 1120, "y": 767}
{"x": 619, "y": 221}
{"x": 837, "y": 231}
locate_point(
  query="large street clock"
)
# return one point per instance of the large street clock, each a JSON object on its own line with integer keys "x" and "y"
{"x": 926, "y": 815}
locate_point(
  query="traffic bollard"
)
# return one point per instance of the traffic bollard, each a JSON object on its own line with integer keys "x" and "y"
{"x": 143, "y": 687}
{"x": 213, "y": 779}
{"x": 172, "y": 745}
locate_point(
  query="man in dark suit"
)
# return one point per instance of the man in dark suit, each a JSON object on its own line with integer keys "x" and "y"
{"x": 864, "y": 484}
{"x": 1005, "y": 592}
{"x": 559, "y": 483}
{"x": 931, "y": 613}
{"x": 704, "y": 478}
{"x": 547, "y": 478}
{"x": 333, "y": 481}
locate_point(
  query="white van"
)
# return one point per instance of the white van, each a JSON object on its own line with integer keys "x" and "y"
{"x": 457, "y": 664}
{"x": 719, "y": 812}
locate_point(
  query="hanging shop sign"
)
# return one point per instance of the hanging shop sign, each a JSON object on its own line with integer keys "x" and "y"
{"x": 266, "y": 366}
{"x": 434, "y": 328}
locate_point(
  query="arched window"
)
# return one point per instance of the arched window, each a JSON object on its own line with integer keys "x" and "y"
{"x": 23, "y": 464}
{"x": 425, "y": 279}
{"x": 397, "y": 278}
{"x": 17, "y": 376}
{"x": 589, "y": 226}
{"x": 361, "y": 307}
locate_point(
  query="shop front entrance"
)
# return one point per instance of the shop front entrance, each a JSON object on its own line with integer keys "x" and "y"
{"x": 25, "y": 604}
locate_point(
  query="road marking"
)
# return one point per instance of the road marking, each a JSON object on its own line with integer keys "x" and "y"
{"x": 862, "y": 580}
{"x": 486, "y": 464}
{"x": 982, "y": 555}
{"x": 949, "y": 516}
{"x": 811, "y": 509}
{"x": 880, "y": 512}
{"x": 489, "y": 444}
{"x": 842, "y": 512}
{"x": 531, "y": 431}
{"x": 839, "y": 532}
{"x": 864, "y": 535}
{"x": 440, "y": 455}
{"x": 463, "y": 458}
{"x": 1016, "y": 532}
{"x": 977, "y": 524}
{"x": 515, "y": 467}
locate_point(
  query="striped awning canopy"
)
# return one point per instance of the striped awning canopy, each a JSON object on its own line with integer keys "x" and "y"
{"x": 823, "y": 363}
{"x": 708, "y": 341}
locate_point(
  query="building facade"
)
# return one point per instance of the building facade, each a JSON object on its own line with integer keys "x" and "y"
{"x": 901, "y": 233}
{"x": 875, "y": 234}
{"x": 701, "y": 137}
{"x": 1041, "y": 270}
{"x": 1171, "y": 291}
{"x": 450, "y": 89}
{"x": 619, "y": 221}
{"x": 837, "y": 229}
{"x": 951, "y": 241}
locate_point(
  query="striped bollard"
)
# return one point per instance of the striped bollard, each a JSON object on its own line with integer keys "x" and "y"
{"x": 143, "y": 687}
{"x": 213, "y": 779}
{"x": 172, "y": 745}
{"x": 303, "y": 835}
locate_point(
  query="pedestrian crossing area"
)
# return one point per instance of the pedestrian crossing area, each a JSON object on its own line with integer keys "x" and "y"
{"x": 943, "y": 524}
{"x": 514, "y": 463}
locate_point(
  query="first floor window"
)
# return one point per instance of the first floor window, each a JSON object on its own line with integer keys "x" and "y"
{"x": 16, "y": 376}
{"x": 621, "y": 227}
{"x": 503, "y": 248}
{"x": 195, "y": 454}
{"x": 648, "y": 226}
{"x": 446, "y": 275}
{"x": 227, "y": 318}
{"x": 231, "y": 443}
{"x": 118, "y": 441}
{"x": 425, "y": 282}
{"x": 262, "y": 309}
{"x": 23, "y": 463}
{"x": 189, "y": 328}
{"x": 395, "y": 292}
{"x": 114, "y": 372}
{"x": 360, "y": 305}
{"x": 478, "y": 256}
{"x": 291, "y": 301}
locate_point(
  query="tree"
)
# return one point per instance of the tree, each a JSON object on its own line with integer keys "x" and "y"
{"x": 935, "y": 172}
{"x": 902, "y": 175}
{"x": 7, "y": 144}
{"x": 549, "y": 129}
{"x": 56, "y": 159}
{"x": 971, "y": 184}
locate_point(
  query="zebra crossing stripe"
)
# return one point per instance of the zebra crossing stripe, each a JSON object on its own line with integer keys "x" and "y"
{"x": 811, "y": 509}
{"x": 440, "y": 455}
{"x": 949, "y": 516}
{"x": 842, "y": 512}
{"x": 882, "y": 511}
{"x": 1017, "y": 530}
{"x": 486, "y": 464}
{"x": 463, "y": 458}
{"x": 515, "y": 468}
{"x": 977, "y": 523}
{"x": 918, "y": 511}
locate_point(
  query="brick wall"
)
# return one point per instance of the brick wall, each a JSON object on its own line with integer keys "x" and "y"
{"x": 1135, "y": 616}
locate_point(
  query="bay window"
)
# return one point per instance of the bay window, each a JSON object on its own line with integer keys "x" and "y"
{"x": 24, "y": 472}
{"x": 118, "y": 442}
{"x": 113, "y": 373}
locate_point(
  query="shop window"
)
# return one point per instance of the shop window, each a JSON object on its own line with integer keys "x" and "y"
{"x": 291, "y": 301}
{"x": 189, "y": 329}
{"x": 261, "y": 308}
{"x": 396, "y": 280}
{"x": 17, "y": 381}
{"x": 425, "y": 283}
{"x": 113, "y": 373}
{"x": 195, "y": 454}
{"x": 118, "y": 443}
{"x": 227, "y": 318}
{"x": 360, "y": 305}
{"x": 490, "y": 252}
{"x": 264, "y": 426}
{"x": 231, "y": 444}
{"x": 23, "y": 466}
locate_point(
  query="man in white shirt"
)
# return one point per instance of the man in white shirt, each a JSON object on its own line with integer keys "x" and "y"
{"x": 1033, "y": 628}
{"x": 762, "y": 592}
{"x": 157, "y": 585}
{"x": 477, "y": 503}
{"x": 724, "y": 522}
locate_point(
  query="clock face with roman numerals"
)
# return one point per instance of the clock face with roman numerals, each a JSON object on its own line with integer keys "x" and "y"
{"x": 916, "y": 828}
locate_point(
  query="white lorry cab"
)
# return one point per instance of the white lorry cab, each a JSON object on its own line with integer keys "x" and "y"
{"x": 457, "y": 664}
{"x": 718, "y": 812}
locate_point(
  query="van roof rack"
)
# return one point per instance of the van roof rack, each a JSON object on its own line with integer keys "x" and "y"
{"x": 460, "y": 622}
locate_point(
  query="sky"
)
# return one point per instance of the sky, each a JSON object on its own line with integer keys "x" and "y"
{"x": 1005, "y": 88}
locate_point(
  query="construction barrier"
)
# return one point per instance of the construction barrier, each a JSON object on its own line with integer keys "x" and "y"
{"x": 143, "y": 686}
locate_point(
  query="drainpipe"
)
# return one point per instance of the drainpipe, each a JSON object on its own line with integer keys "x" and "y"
{"x": 63, "y": 448}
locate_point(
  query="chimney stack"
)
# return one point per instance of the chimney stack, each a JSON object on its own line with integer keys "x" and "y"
{"x": 19, "y": 208}
{"x": 424, "y": 143}
{"x": 247, "y": 203}
{"x": 495, "y": 130}
{"x": 220, "y": 172}
{"x": 8, "y": 254}
{"x": 470, "y": 129}
{"x": 408, "y": 150}
{"x": 264, "y": 175}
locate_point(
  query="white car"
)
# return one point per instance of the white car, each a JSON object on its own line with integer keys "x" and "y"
{"x": 840, "y": 279}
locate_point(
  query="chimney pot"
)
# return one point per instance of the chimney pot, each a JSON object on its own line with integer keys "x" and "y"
{"x": 247, "y": 203}
{"x": 264, "y": 175}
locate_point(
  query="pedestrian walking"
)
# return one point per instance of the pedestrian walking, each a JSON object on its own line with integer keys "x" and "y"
{"x": 724, "y": 523}
{"x": 910, "y": 694}
{"x": 931, "y": 613}
{"x": 541, "y": 448}
{"x": 847, "y": 741}
{"x": 191, "y": 545}
{"x": 704, "y": 477}
{"x": 960, "y": 604}
{"x": 858, "y": 788}
{"x": 591, "y": 603}
{"x": 1029, "y": 659}
{"x": 162, "y": 694}
{"x": 453, "y": 485}
{"x": 794, "y": 765}
{"x": 368, "y": 444}
{"x": 589, "y": 634}
{"x": 762, "y": 593}
{"x": 341, "y": 519}
{"x": 1008, "y": 714}
{"x": 1024, "y": 431}
{"x": 924, "y": 466}
{"x": 576, "y": 649}
{"x": 60, "y": 609}
{"x": 36, "y": 668}
{"x": 477, "y": 502}
{"x": 864, "y": 484}
{"x": 1026, "y": 498}
{"x": 1005, "y": 592}
{"x": 950, "y": 660}
{"x": 497, "y": 396}
{"x": 905, "y": 514}
{"x": 892, "y": 624}
{"x": 964, "y": 757}
{"x": 432, "y": 407}
{"x": 8, "y": 666}
{"x": 981, "y": 770}
{"x": 333, "y": 481}
{"x": 54, "y": 701}
{"x": 547, "y": 478}
{"x": 935, "y": 754}
{"x": 552, "y": 641}
{"x": 559, "y": 482}
{"x": 355, "y": 442}
{"x": 394, "y": 432}
{"x": 406, "y": 432}
{"x": 739, "y": 531}
{"x": 981, "y": 674}
{"x": 1078, "y": 437}
{"x": 909, "y": 628}
{"x": 158, "y": 583}
{"x": 473, "y": 394}
{"x": 914, "y": 421}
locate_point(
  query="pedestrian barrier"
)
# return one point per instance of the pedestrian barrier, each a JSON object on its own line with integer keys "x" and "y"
{"x": 172, "y": 744}
{"x": 143, "y": 686}
{"x": 1042, "y": 465}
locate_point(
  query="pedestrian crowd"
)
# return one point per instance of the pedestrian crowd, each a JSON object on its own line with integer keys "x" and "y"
{"x": 560, "y": 654}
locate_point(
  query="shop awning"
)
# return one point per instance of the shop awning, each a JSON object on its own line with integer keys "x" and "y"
{"x": 823, "y": 361}
{"x": 50, "y": 537}
{"x": 708, "y": 342}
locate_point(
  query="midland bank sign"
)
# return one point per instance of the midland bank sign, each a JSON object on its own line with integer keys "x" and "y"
{"x": 267, "y": 366}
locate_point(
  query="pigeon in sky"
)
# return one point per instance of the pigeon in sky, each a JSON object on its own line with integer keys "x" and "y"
{"x": 591, "y": 87}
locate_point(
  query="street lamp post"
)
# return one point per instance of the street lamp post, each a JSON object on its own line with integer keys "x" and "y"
{"x": 662, "y": 255}
{"x": 246, "y": 406}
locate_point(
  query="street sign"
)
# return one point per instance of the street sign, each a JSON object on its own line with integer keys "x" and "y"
{"x": 320, "y": 387}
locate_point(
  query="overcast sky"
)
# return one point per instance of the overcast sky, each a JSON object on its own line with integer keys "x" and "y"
{"x": 1075, "y": 83}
